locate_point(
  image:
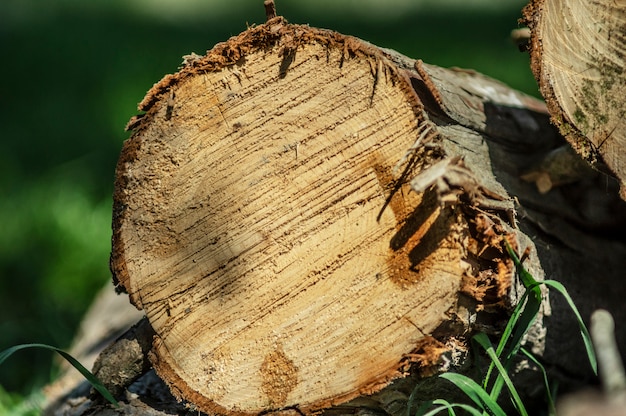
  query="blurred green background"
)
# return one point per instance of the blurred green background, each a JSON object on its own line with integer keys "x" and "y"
{"x": 72, "y": 73}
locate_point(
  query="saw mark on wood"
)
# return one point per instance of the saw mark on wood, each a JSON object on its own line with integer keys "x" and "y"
{"x": 215, "y": 99}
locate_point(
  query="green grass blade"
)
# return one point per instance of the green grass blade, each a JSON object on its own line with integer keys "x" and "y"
{"x": 591, "y": 354}
{"x": 534, "y": 286}
{"x": 530, "y": 309}
{"x": 484, "y": 342}
{"x": 531, "y": 357}
{"x": 475, "y": 393}
{"x": 519, "y": 323}
{"x": 510, "y": 325}
{"x": 527, "y": 279}
{"x": 506, "y": 335}
{"x": 86, "y": 373}
{"x": 423, "y": 410}
{"x": 444, "y": 405}
{"x": 523, "y": 323}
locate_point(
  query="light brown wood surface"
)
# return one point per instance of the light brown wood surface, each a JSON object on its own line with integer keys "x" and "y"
{"x": 265, "y": 224}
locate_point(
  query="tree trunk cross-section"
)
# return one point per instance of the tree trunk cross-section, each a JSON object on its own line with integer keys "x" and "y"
{"x": 264, "y": 221}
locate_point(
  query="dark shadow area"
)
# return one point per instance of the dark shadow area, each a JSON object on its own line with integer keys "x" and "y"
{"x": 578, "y": 229}
{"x": 518, "y": 141}
{"x": 433, "y": 236}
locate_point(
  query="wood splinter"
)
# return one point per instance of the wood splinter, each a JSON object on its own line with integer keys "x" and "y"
{"x": 270, "y": 9}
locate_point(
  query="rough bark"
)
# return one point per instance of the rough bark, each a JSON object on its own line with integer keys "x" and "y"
{"x": 410, "y": 215}
{"x": 578, "y": 50}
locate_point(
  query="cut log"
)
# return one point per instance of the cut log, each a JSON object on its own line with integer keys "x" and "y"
{"x": 264, "y": 221}
{"x": 304, "y": 217}
{"x": 577, "y": 52}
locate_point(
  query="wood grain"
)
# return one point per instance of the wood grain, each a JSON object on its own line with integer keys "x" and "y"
{"x": 261, "y": 227}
